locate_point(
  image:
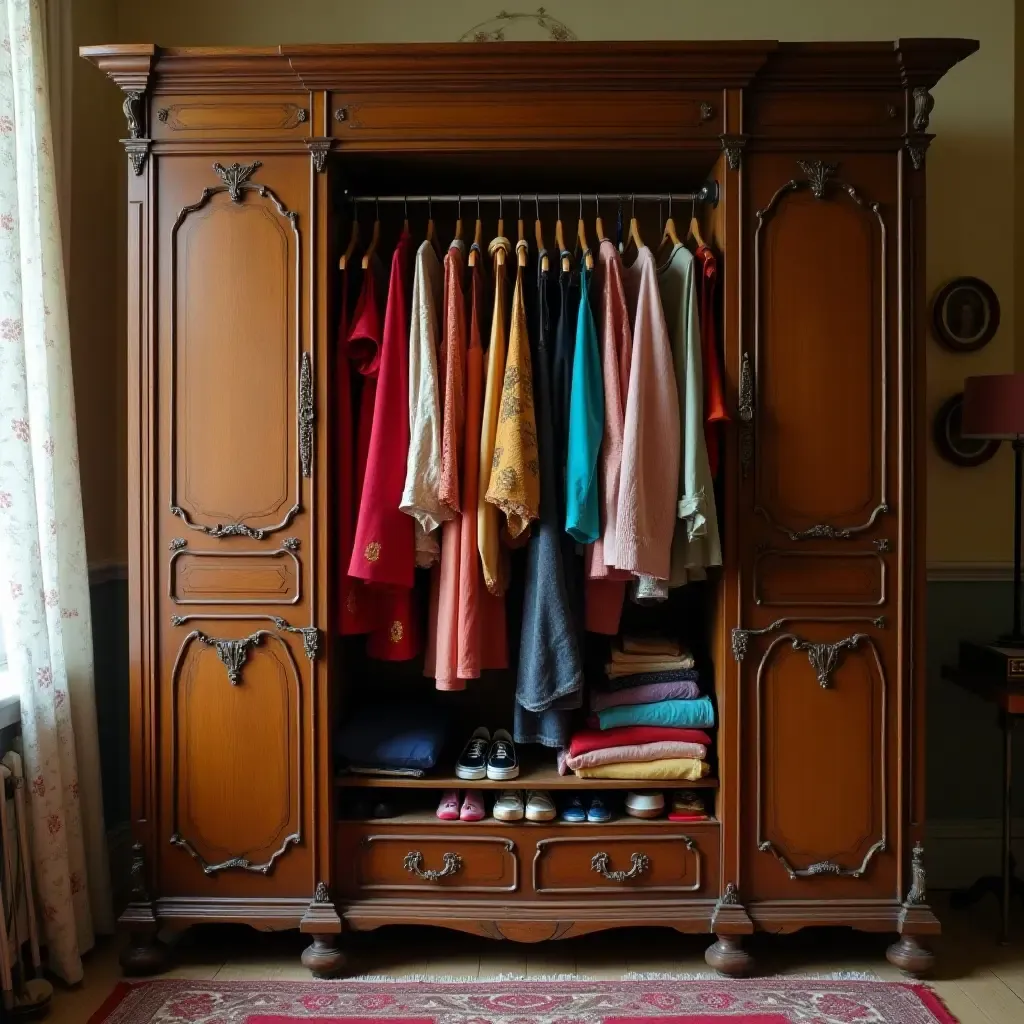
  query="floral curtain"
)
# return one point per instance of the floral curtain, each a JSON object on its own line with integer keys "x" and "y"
{"x": 44, "y": 593}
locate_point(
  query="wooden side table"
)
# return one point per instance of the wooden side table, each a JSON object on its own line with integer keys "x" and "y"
{"x": 1009, "y": 699}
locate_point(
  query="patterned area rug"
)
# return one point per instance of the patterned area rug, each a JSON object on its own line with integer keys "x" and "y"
{"x": 765, "y": 1001}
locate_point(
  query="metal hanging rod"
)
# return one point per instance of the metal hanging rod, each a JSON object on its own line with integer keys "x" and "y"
{"x": 707, "y": 193}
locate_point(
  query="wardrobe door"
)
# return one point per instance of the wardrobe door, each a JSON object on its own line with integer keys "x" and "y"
{"x": 817, "y": 640}
{"x": 233, "y": 429}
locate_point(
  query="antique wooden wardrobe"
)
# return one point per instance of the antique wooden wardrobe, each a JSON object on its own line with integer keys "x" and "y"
{"x": 238, "y": 165}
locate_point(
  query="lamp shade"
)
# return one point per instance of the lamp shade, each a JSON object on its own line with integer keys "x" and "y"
{"x": 994, "y": 406}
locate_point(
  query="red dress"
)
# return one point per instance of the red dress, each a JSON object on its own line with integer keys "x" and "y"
{"x": 714, "y": 400}
{"x": 383, "y": 550}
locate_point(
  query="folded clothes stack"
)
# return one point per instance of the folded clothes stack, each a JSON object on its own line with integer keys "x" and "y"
{"x": 652, "y": 689}
{"x": 400, "y": 740}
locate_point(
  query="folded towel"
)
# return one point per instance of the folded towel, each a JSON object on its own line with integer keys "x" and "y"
{"x": 636, "y": 752}
{"x": 646, "y": 678}
{"x": 651, "y": 645}
{"x": 668, "y": 768}
{"x": 684, "y": 689}
{"x": 615, "y": 669}
{"x": 682, "y": 714}
{"x": 630, "y": 658}
{"x": 586, "y": 740}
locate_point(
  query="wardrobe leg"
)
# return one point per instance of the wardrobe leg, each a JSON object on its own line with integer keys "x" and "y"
{"x": 727, "y": 956}
{"x": 323, "y": 956}
{"x": 144, "y": 954}
{"x": 910, "y": 956}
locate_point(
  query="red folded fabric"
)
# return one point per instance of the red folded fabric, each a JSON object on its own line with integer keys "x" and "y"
{"x": 597, "y": 739}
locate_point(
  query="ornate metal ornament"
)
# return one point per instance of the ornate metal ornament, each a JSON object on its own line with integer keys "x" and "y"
{"x": 177, "y": 544}
{"x": 163, "y": 114}
{"x": 732, "y": 145}
{"x": 818, "y": 174}
{"x": 291, "y": 544}
{"x": 495, "y": 30}
{"x": 824, "y": 658}
{"x": 236, "y": 176}
{"x": 413, "y": 863}
{"x": 221, "y": 529}
{"x": 639, "y": 864}
{"x": 307, "y": 414}
{"x": 140, "y": 894}
{"x": 924, "y": 102}
{"x": 232, "y": 653}
{"x": 133, "y": 112}
{"x": 741, "y": 637}
{"x": 319, "y": 148}
{"x": 731, "y": 896}
{"x": 310, "y": 635}
{"x": 707, "y": 111}
{"x": 320, "y": 894}
{"x": 178, "y": 620}
{"x": 917, "y": 149}
{"x": 239, "y": 863}
{"x": 745, "y": 408}
{"x": 917, "y": 896}
{"x": 883, "y": 545}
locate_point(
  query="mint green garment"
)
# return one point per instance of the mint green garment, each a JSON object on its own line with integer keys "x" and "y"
{"x": 678, "y": 714}
{"x": 586, "y": 426}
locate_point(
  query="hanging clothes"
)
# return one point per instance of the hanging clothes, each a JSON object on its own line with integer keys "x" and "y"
{"x": 362, "y": 342}
{"x": 491, "y": 557}
{"x": 421, "y": 493}
{"x": 344, "y": 455}
{"x": 646, "y": 512}
{"x": 586, "y": 426}
{"x": 515, "y": 473}
{"x": 561, "y": 373}
{"x": 714, "y": 398}
{"x": 441, "y": 659}
{"x": 605, "y": 586}
{"x": 549, "y": 682}
{"x": 695, "y": 544}
{"x": 383, "y": 552}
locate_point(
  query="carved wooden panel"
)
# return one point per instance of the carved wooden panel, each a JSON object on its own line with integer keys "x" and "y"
{"x": 819, "y": 578}
{"x": 272, "y": 576}
{"x": 240, "y": 384}
{"x": 819, "y": 114}
{"x": 236, "y": 741}
{"x": 818, "y": 375}
{"x": 821, "y": 760}
{"x": 199, "y": 116}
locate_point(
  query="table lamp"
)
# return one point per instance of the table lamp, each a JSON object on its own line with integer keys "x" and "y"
{"x": 993, "y": 408}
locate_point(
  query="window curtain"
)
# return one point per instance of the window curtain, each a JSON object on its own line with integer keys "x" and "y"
{"x": 44, "y": 592}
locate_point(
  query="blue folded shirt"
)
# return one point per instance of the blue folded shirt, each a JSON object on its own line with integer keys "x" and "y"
{"x": 392, "y": 736}
{"x": 679, "y": 714}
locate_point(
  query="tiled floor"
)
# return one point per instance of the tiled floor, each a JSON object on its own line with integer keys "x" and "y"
{"x": 980, "y": 981}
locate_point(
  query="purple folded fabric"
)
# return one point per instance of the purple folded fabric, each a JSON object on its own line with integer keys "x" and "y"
{"x": 681, "y": 689}
{"x": 645, "y": 678}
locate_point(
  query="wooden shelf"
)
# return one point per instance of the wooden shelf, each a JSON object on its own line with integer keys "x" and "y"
{"x": 422, "y": 818}
{"x": 530, "y": 777}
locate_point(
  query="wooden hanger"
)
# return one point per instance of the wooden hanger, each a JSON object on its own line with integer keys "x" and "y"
{"x": 499, "y": 253}
{"x": 431, "y": 230}
{"x": 352, "y": 242}
{"x": 478, "y": 235}
{"x": 581, "y": 237}
{"x": 539, "y": 236}
{"x": 559, "y": 237}
{"x": 669, "y": 237}
{"x": 599, "y": 221}
{"x": 374, "y": 239}
{"x": 458, "y": 221}
{"x": 521, "y": 249}
{"x": 633, "y": 237}
{"x": 694, "y": 229}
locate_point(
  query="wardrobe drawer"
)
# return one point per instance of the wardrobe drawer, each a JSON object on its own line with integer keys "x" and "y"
{"x": 409, "y": 862}
{"x": 654, "y": 861}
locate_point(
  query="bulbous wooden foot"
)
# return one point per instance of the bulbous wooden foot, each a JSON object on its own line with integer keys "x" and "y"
{"x": 145, "y": 954}
{"x": 323, "y": 956}
{"x": 910, "y": 956}
{"x": 727, "y": 956}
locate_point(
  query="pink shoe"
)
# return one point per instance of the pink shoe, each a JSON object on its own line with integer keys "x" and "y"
{"x": 448, "y": 808}
{"x": 473, "y": 806}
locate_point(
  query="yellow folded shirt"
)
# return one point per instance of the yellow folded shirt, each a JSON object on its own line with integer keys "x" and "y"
{"x": 650, "y": 645}
{"x": 616, "y": 669}
{"x": 667, "y": 768}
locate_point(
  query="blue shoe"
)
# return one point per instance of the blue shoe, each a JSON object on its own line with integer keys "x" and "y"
{"x": 575, "y": 812}
{"x": 598, "y": 812}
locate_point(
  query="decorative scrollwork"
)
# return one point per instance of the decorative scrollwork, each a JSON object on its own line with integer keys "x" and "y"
{"x": 307, "y": 414}
{"x": 137, "y": 150}
{"x": 601, "y": 863}
{"x": 818, "y": 172}
{"x": 232, "y": 653}
{"x": 733, "y": 145}
{"x": 823, "y": 867}
{"x": 731, "y": 896}
{"x": 163, "y": 114}
{"x": 178, "y": 620}
{"x": 291, "y": 544}
{"x": 132, "y": 108}
{"x": 320, "y": 894}
{"x": 741, "y": 637}
{"x": 924, "y": 102}
{"x": 221, "y": 529}
{"x": 883, "y": 545}
{"x": 824, "y": 658}
{"x": 413, "y": 863}
{"x": 177, "y": 544}
{"x": 310, "y": 635}
{"x": 917, "y": 148}
{"x": 707, "y": 111}
{"x": 239, "y": 863}
{"x": 319, "y": 148}
{"x": 917, "y": 895}
{"x": 235, "y": 176}
{"x": 745, "y": 409}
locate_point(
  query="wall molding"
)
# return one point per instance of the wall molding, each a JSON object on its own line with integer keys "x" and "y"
{"x": 970, "y": 572}
{"x": 959, "y": 851}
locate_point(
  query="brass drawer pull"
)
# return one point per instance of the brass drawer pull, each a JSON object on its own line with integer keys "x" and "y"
{"x": 413, "y": 863}
{"x": 639, "y": 863}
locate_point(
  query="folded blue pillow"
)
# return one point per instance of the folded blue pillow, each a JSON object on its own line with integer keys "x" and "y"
{"x": 392, "y": 736}
{"x": 679, "y": 714}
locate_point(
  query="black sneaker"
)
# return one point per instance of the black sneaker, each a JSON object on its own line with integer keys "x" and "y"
{"x": 472, "y": 762}
{"x": 502, "y": 762}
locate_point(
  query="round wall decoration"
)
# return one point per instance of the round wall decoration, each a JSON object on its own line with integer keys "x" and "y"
{"x": 952, "y": 445}
{"x": 965, "y": 314}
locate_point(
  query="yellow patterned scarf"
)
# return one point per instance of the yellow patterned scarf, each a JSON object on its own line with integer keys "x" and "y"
{"x": 515, "y": 476}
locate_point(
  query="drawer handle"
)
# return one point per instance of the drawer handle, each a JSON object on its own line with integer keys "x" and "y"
{"x": 639, "y": 863}
{"x": 413, "y": 863}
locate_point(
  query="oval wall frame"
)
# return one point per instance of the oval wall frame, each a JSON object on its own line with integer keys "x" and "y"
{"x": 949, "y": 438}
{"x": 965, "y": 314}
